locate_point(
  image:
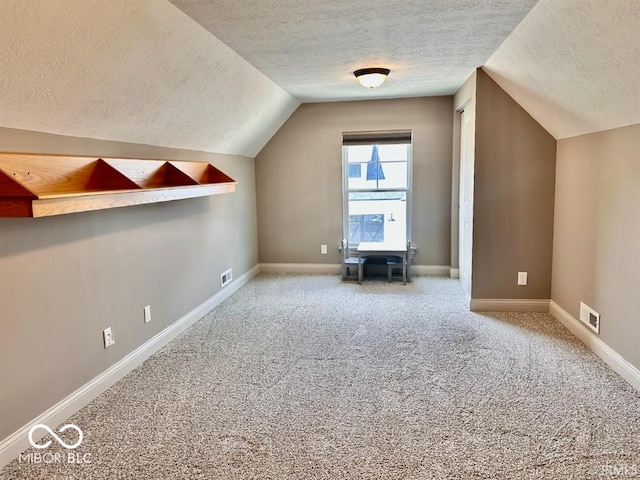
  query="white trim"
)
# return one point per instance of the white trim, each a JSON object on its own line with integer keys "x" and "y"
{"x": 18, "y": 442}
{"x": 454, "y": 272}
{"x": 509, "y": 305}
{"x": 612, "y": 358}
{"x": 437, "y": 270}
{"x": 326, "y": 268}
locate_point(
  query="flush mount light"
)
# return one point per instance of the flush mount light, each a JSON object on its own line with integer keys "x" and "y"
{"x": 371, "y": 77}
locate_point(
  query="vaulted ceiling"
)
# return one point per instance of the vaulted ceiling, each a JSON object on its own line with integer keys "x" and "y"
{"x": 135, "y": 71}
{"x": 223, "y": 75}
{"x": 311, "y": 49}
{"x": 574, "y": 65}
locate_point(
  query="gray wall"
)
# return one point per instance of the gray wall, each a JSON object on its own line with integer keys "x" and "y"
{"x": 513, "y": 198}
{"x": 64, "y": 279}
{"x": 596, "y": 248}
{"x": 299, "y": 177}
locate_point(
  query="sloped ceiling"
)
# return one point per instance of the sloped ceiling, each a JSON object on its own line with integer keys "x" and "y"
{"x": 574, "y": 65}
{"x": 144, "y": 71}
{"x": 136, "y": 71}
{"x": 311, "y": 48}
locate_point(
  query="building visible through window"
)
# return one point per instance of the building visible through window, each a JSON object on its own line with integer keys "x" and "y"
{"x": 355, "y": 170}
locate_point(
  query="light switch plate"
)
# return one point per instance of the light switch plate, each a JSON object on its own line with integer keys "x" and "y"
{"x": 107, "y": 337}
{"x": 522, "y": 278}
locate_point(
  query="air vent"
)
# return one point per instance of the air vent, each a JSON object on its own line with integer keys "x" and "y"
{"x": 226, "y": 277}
{"x": 590, "y": 317}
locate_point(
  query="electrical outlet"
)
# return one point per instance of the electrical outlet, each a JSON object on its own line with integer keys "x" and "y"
{"x": 590, "y": 317}
{"x": 147, "y": 314}
{"x": 226, "y": 277}
{"x": 107, "y": 337}
{"x": 522, "y": 278}
{"x": 323, "y": 249}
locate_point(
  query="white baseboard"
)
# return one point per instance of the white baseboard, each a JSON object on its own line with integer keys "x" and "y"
{"x": 627, "y": 371}
{"x": 18, "y": 442}
{"x": 509, "y": 305}
{"x": 326, "y": 268}
{"x": 430, "y": 270}
{"x": 454, "y": 272}
{"x": 336, "y": 269}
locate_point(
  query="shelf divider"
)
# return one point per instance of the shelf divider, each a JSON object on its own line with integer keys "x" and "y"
{"x": 151, "y": 173}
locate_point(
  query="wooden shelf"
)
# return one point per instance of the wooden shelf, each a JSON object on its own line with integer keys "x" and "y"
{"x": 153, "y": 174}
{"x": 45, "y": 185}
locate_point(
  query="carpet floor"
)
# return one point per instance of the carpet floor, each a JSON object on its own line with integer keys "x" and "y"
{"x": 306, "y": 377}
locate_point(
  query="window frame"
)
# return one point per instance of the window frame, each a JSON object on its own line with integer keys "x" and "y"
{"x": 374, "y": 140}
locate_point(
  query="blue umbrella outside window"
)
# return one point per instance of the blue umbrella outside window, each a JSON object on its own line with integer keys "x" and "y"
{"x": 374, "y": 167}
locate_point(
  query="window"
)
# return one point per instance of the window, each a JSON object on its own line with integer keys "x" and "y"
{"x": 377, "y": 186}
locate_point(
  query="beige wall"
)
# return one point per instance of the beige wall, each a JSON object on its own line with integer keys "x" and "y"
{"x": 299, "y": 177}
{"x": 513, "y": 198}
{"x": 596, "y": 248}
{"x": 64, "y": 279}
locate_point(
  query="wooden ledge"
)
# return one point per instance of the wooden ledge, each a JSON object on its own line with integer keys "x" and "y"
{"x": 45, "y": 185}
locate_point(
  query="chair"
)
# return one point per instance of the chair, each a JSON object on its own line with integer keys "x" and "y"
{"x": 348, "y": 262}
{"x": 395, "y": 263}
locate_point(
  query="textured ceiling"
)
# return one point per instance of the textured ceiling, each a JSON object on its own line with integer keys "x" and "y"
{"x": 311, "y": 48}
{"x": 143, "y": 71}
{"x": 135, "y": 71}
{"x": 574, "y": 65}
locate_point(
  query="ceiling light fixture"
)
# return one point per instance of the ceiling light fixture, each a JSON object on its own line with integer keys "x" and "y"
{"x": 371, "y": 77}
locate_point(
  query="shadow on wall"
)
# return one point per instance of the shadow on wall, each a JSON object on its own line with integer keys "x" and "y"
{"x": 66, "y": 229}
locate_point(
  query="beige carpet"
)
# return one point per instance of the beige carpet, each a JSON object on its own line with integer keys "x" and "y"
{"x": 305, "y": 377}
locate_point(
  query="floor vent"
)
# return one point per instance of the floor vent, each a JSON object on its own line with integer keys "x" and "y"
{"x": 226, "y": 277}
{"x": 590, "y": 317}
